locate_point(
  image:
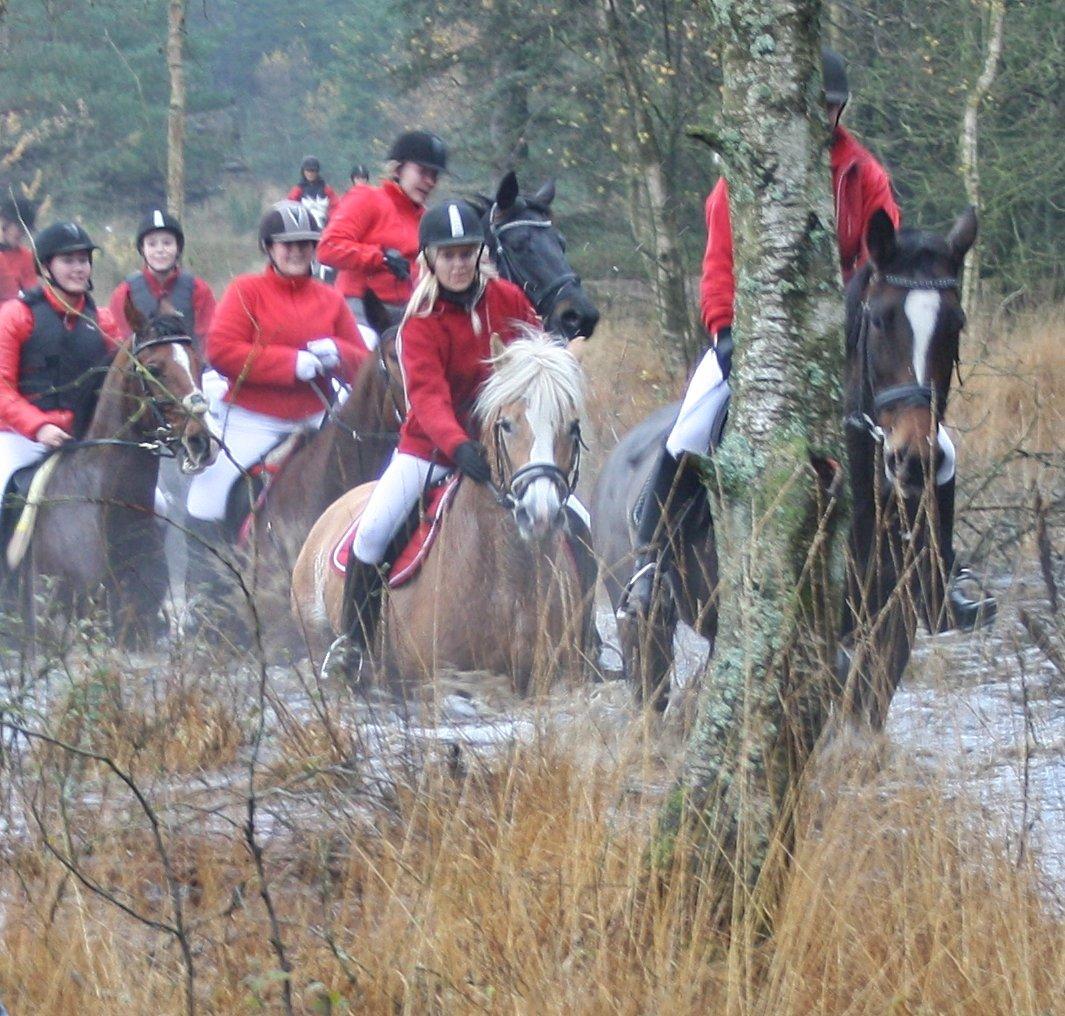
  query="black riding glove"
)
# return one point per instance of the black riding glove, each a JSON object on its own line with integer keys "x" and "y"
{"x": 724, "y": 351}
{"x": 472, "y": 459}
{"x": 396, "y": 263}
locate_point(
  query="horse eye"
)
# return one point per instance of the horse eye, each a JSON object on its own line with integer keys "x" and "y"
{"x": 505, "y": 425}
{"x": 155, "y": 370}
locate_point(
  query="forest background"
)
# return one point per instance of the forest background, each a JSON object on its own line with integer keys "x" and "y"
{"x": 598, "y": 95}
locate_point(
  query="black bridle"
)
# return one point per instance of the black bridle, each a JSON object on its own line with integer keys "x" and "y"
{"x": 542, "y": 297}
{"x": 514, "y": 483}
{"x": 871, "y": 401}
{"x": 164, "y": 442}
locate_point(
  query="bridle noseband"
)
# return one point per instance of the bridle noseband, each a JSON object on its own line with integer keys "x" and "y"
{"x": 542, "y": 298}
{"x": 514, "y": 484}
{"x": 872, "y": 402}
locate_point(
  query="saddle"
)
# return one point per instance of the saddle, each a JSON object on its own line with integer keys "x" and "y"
{"x": 413, "y": 554}
{"x": 19, "y": 506}
{"x": 245, "y": 500}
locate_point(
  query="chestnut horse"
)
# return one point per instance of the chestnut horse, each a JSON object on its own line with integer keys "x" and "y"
{"x": 96, "y": 525}
{"x": 499, "y": 590}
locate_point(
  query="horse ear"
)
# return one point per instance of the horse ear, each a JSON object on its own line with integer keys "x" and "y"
{"x": 138, "y": 323}
{"x": 962, "y": 234}
{"x": 507, "y": 193}
{"x": 376, "y": 312}
{"x": 880, "y": 239}
{"x": 495, "y": 344}
{"x": 545, "y": 195}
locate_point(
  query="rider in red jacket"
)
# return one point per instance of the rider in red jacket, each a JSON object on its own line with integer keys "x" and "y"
{"x": 444, "y": 343}
{"x": 373, "y": 237}
{"x": 54, "y": 346}
{"x": 161, "y": 242}
{"x": 313, "y": 192}
{"x": 18, "y": 272}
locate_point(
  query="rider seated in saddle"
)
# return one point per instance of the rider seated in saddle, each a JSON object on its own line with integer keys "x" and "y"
{"x": 860, "y": 186}
{"x": 18, "y": 272}
{"x": 444, "y": 345}
{"x": 313, "y": 192}
{"x": 55, "y": 347}
{"x": 278, "y": 337}
{"x": 160, "y": 242}
{"x": 373, "y": 237}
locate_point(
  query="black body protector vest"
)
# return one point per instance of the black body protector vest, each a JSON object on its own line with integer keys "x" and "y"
{"x": 62, "y": 368}
{"x": 180, "y": 297}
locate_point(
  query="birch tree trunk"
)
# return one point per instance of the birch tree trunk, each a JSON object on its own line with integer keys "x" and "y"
{"x": 175, "y": 120}
{"x": 968, "y": 142}
{"x": 776, "y": 478}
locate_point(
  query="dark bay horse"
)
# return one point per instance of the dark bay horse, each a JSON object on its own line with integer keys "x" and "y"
{"x": 904, "y": 322}
{"x": 689, "y": 577}
{"x": 96, "y": 526}
{"x": 499, "y": 590}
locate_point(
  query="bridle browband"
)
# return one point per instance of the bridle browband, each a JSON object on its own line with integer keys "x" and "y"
{"x": 872, "y": 402}
{"x": 515, "y": 483}
{"x": 543, "y": 299}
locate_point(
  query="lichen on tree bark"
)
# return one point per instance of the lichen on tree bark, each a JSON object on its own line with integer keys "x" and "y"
{"x": 763, "y": 702}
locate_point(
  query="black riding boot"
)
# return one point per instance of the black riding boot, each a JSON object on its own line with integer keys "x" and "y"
{"x": 205, "y": 585}
{"x": 652, "y": 536}
{"x": 961, "y": 612}
{"x": 363, "y": 588}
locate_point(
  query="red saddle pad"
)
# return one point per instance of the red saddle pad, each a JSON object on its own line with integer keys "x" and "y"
{"x": 410, "y": 560}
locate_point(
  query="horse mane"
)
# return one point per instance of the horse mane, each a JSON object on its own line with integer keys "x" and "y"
{"x": 538, "y": 370}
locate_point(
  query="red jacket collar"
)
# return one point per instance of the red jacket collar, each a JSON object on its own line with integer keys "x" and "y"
{"x": 399, "y": 197}
{"x": 66, "y": 306}
{"x": 159, "y": 288}
{"x": 285, "y": 283}
{"x": 846, "y": 150}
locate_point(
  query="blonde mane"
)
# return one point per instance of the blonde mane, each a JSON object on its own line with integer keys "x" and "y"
{"x": 538, "y": 370}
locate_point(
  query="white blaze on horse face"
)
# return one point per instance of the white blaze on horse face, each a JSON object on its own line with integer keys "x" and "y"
{"x": 181, "y": 357}
{"x": 541, "y": 499}
{"x": 922, "y": 310}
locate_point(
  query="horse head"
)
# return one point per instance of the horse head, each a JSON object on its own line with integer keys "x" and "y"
{"x": 530, "y": 413}
{"x": 162, "y": 371}
{"x": 904, "y": 322}
{"x": 530, "y": 252}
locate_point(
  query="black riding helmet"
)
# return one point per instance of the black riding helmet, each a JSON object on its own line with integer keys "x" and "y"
{"x": 422, "y": 147}
{"x": 158, "y": 219}
{"x": 288, "y": 222}
{"x": 834, "y": 77}
{"x": 19, "y": 210}
{"x": 60, "y": 238}
{"x": 359, "y": 172}
{"x": 452, "y": 224}
{"x": 311, "y": 162}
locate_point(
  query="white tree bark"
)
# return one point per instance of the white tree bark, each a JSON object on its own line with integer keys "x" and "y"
{"x": 175, "y": 121}
{"x": 763, "y": 705}
{"x": 968, "y": 142}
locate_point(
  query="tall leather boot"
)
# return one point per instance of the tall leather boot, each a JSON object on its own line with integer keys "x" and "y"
{"x": 961, "y": 613}
{"x": 363, "y": 589}
{"x": 652, "y": 537}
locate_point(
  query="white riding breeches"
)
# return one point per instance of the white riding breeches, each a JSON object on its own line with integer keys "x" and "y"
{"x": 702, "y": 413}
{"x": 16, "y": 451}
{"x": 392, "y": 500}
{"x": 246, "y": 436}
{"x": 358, "y": 311}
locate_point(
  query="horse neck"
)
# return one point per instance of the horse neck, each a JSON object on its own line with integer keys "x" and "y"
{"x": 116, "y": 407}
{"x": 368, "y": 407}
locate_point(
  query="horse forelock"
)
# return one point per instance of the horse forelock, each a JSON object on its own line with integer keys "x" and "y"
{"x": 162, "y": 325}
{"x": 537, "y": 370}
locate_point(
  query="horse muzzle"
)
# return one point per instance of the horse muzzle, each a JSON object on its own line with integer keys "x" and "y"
{"x": 538, "y": 492}
{"x": 198, "y": 450}
{"x": 573, "y": 315}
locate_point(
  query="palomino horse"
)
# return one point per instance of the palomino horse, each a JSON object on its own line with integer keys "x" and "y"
{"x": 529, "y": 251}
{"x": 96, "y": 527}
{"x": 498, "y": 590}
{"x": 688, "y": 576}
{"x": 904, "y": 321}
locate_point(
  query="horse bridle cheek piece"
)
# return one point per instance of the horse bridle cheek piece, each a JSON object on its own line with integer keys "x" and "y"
{"x": 544, "y": 300}
{"x": 909, "y": 394}
{"x": 515, "y": 484}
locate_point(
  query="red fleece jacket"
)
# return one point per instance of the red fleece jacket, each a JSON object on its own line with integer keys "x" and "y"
{"x": 260, "y": 324}
{"x": 860, "y": 185}
{"x": 368, "y": 220}
{"x": 17, "y": 413}
{"x": 444, "y": 365}
{"x": 17, "y": 272}
{"x": 203, "y": 302}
